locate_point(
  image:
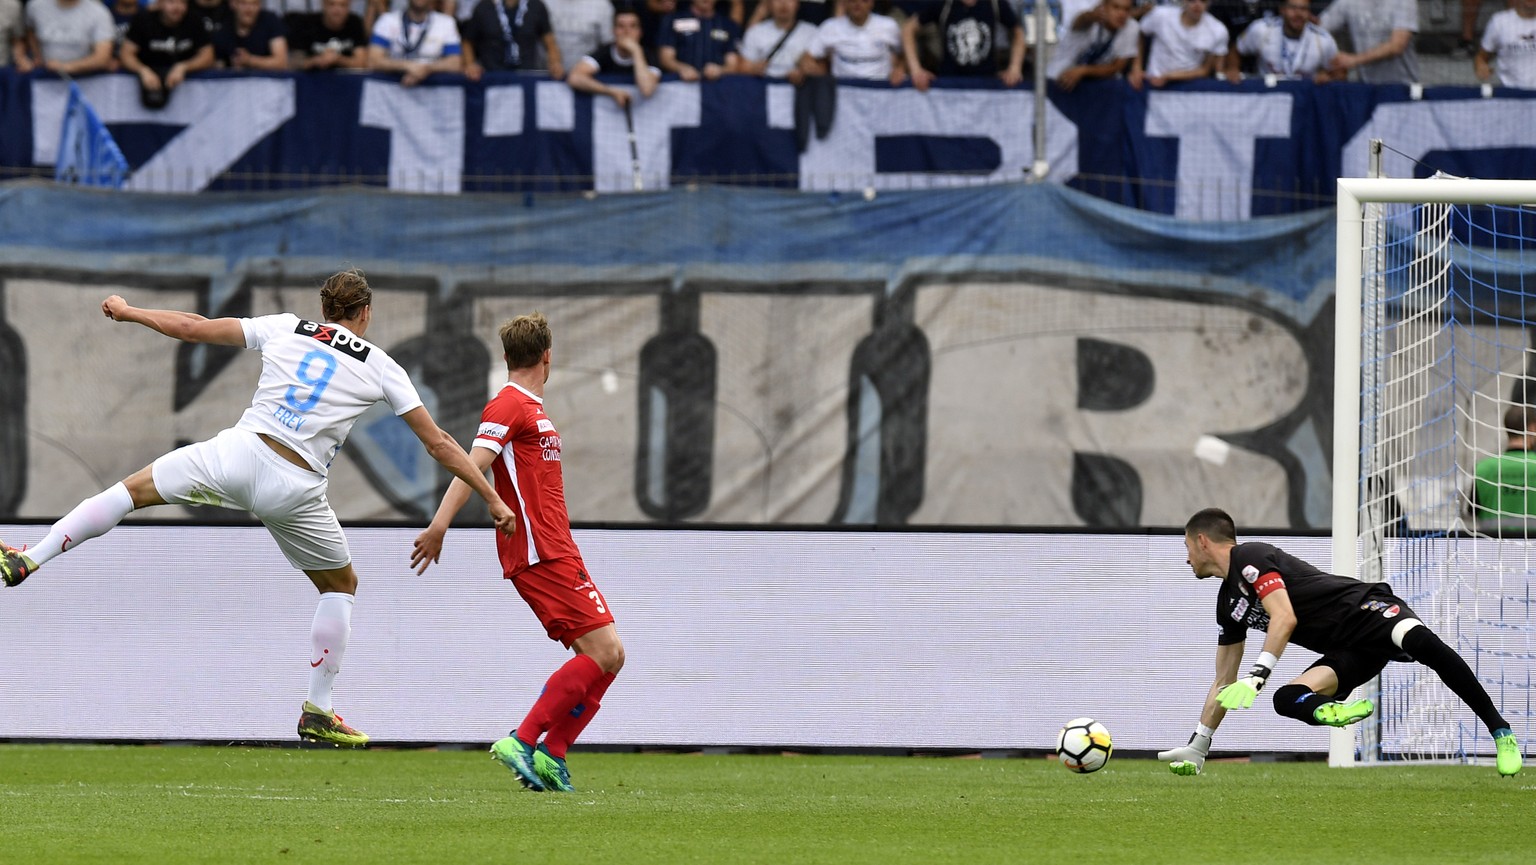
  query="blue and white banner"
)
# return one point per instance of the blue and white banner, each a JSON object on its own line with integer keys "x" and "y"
{"x": 87, "y": 154}
{"x": 1204, "y": 150}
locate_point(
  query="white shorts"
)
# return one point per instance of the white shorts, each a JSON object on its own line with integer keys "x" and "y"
{"x": 236, "y": 469}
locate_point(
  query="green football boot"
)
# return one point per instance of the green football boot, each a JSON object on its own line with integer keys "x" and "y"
{"x": 552, "y": 771}
{"x": 14, "y": 565}
{"x": 1343, "y": 714}
{"x": 318, "y": 725}
{"x": 1508, "y": 759}
{"x": 517, "y": 755}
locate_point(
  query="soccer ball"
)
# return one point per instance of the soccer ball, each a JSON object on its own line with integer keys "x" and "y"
{"x": 1083, "y": 745}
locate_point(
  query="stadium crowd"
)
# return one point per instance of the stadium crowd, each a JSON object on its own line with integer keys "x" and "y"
{"x": 1150, "y": 42}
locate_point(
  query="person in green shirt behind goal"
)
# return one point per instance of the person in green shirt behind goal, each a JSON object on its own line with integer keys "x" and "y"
{"x": 1504, "y": 486}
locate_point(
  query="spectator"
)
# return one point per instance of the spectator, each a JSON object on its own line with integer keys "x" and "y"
{"x": 652, "y": 13}
{"x": 1381, "y": 33}
{"x": 1187, "y": 43}
{"x": 1237, "y": 16}
{"x": 505, "y": 34}
{"x": 1098, "y": 43}
{"x": 215, "y": 15}
{"x": 1504, "y": 486}
{"x": 1466, "y": 45}
{"x": 1288, "y": 47}
{"x": 1511, "y": 38}
{"x": 163, "y": 46}
{"x": 812, "y": 12}
{"x": 860, "y": 43}
{"x": 580, "y": 26}
{"x": 969, "y": 32}
{"x": 772, "y": 47}
{"x": 255, "y": 39}
{"x": 70, "y": 37}
{"x": 122, "y": 15}
{"x": 332, "y": 38}
{"x": 415, "y": 42}
{"x": 698, "y": 43}
{"x": 622, "y": 56}
{"x": 13, "y": 29}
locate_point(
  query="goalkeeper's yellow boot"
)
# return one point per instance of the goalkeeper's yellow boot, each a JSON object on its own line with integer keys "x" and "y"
{"x": 1508, "y": 759}
{"x": 14, "y": 565}
{"x": 318, "y": 725}
{"x": 1343, "y": 714}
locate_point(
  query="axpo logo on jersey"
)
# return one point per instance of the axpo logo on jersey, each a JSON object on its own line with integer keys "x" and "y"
{"x": 335, "y": 338}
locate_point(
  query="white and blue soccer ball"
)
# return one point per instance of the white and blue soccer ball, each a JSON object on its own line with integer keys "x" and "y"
{"x": 1084, "y": 745}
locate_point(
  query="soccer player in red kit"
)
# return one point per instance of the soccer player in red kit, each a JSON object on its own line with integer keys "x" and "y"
{"x": 520, "y": 444}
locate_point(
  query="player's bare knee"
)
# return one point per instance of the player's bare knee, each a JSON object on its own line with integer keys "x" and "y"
{"x": 612, "y": 658}
{"x": 342, "y": 579}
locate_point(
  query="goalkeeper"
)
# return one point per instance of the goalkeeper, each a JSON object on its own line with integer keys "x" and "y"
{"x": 1357, "y": 627}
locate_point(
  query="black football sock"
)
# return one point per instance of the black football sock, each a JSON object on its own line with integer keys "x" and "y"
{"x": 1427, "y": 648}
{"x": 1299, "y": 702}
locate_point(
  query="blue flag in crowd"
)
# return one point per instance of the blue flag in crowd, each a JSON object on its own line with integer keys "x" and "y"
{"x": 87, "y": 154}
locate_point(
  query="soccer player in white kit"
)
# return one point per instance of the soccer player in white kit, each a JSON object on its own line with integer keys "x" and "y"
{"x": 316, "y": 379}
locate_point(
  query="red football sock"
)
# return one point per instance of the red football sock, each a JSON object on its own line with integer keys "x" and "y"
{"x": 570, "y": 725}
{"x": 561, "y": 694}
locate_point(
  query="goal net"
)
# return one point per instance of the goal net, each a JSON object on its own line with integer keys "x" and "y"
{"x": 1436, "y": 327}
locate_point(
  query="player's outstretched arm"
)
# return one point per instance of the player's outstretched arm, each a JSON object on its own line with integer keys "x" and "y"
{"x": 429, "y": 544}
{"x": 185, "y": 326}
{"x": 1282, "y": 623}
{"x": 447, "y": 452}
{"x": 1190, "y": 759}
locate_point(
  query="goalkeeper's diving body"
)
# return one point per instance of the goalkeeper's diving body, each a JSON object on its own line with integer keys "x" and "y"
{"x": 1356, "y": 626}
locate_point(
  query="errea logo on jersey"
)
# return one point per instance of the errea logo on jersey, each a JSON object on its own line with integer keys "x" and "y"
{"x": 1250, "y": 573}
{"x": 334, "y": 337}
{"x": 545, "y": 425}
{"x": 492, "y": 430}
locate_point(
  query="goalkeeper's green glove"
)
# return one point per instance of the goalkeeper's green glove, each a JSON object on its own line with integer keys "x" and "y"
{"x": 1240, "y": 694}
{"x": 1190, "y": 759}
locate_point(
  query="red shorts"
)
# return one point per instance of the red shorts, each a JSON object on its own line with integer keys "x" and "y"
{"x": 564, "y": 598}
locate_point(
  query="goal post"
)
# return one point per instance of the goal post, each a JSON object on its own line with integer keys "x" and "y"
{"x": 1432, "y": 344}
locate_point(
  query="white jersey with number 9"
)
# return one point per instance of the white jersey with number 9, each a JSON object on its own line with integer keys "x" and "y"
{"x": 316, "y": 380}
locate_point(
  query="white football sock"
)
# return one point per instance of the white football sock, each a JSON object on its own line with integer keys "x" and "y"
{"x": 328, "y": 634}
{"x": 91, "y": 518}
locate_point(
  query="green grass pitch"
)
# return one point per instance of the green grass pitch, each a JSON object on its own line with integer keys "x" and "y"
{"x": 90, "y": 804}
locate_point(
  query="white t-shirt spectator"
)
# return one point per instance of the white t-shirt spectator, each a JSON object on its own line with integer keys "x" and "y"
{"x": 581, "y": 25}
{"x": 1512, "y": 42}
{"x": 1176, "y": 48}
{"x": 434, "y": 39}
{"x": 1284, "y": 57}
{"x": 858, "y": 52}
{"x": 68, "y": 33}
{"x": 762, "y": 36}
{"x": 1093, "y": 46}
{"x": 1370, "y": 23}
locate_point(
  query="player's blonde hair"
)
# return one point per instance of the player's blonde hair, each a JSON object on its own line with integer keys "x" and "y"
{"x": 344, "y": 295}
{"x": 525, "y": 339}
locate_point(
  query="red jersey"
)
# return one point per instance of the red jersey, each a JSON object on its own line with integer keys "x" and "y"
{"x": 528, "y": 478}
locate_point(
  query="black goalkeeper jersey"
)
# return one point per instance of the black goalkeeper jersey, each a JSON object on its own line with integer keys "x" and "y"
{"x": 1330, "y": 609}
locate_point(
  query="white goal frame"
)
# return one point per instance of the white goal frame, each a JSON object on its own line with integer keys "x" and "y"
{"x": 1354, "y": 193}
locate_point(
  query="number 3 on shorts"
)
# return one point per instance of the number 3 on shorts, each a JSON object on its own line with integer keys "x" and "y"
{"x": 317, "y": 383}
{"x": 597, "y": 599}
